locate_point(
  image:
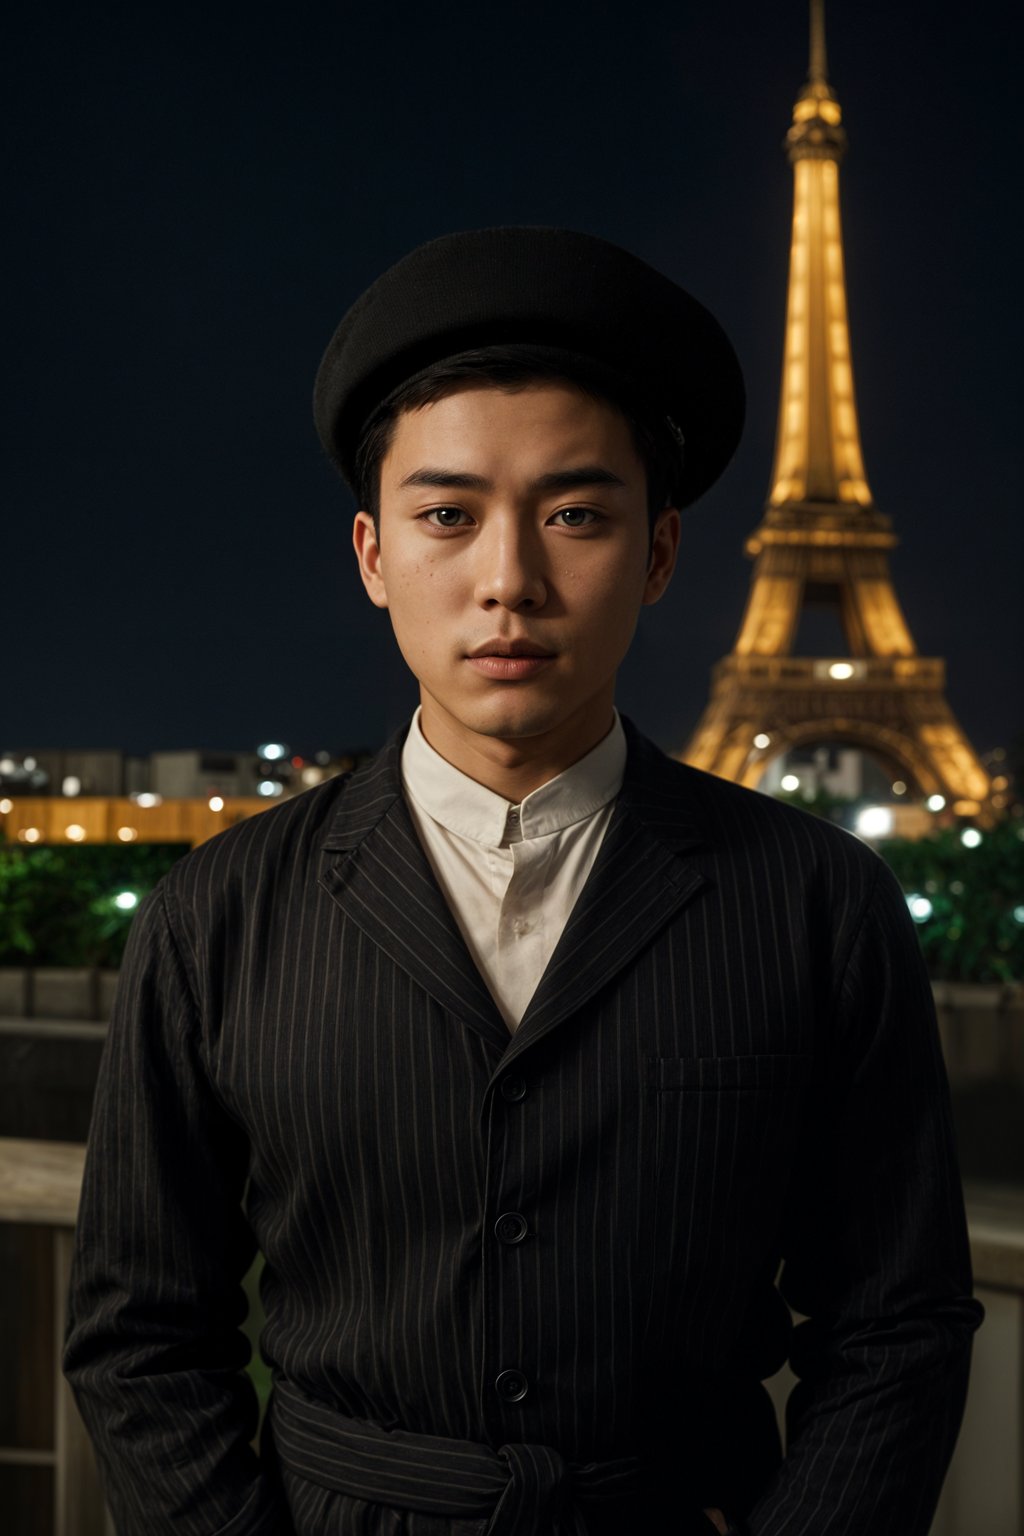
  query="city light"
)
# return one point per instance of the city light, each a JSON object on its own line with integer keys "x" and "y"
{"x": 936, "y": 802}
{"x": 126, "y": 900}
{"x": 7, "y": 764}
{"x": 899, "y": 788}
{"x": 841, "y": 669}
{"x": 761, "y": 741}
{"x": 6, "y": 806}
{"x": 272, "y": 751}
{"x": 126, "y": 834}
{"x": 30, "y": 834}
{"x": 1018, "y": 914}
{"x": 920, "y": 908}
{"x": 71, "y": 785}
{"x": 790, "y": 781}
{"x": 147, "y": 801}
{"x": 75, "y": 833}
{"x": 970, "y": 837}
{"x": 216, "y": 803}
{"x": 874, "y": 821}
{"x": 269, "y": 787}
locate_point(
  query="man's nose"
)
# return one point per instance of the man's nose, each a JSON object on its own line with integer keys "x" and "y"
{"x": 511, "y": 568}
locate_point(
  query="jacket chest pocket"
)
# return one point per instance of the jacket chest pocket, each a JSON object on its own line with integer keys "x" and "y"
{"x": 719, "y": 1150}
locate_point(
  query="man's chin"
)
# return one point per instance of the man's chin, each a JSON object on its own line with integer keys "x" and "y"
{"x": 515, "y": 718}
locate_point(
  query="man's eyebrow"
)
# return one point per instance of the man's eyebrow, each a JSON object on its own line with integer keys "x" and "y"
{"x": 554, "y": 480}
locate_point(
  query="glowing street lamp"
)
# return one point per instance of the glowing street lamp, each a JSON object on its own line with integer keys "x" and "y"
{"x": 874, "y": 821}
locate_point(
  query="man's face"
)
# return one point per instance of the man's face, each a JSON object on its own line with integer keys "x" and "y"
{"x": 512, "y": 521}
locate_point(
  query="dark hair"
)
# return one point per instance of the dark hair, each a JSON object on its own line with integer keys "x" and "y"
{"x": 509, "y": 369}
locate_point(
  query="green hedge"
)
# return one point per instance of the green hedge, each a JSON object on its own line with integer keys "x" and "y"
{"x": 58, "y": 905}
{"x": 975, "y": 931}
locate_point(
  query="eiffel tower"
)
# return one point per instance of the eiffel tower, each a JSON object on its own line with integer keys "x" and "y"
{"x": 823, "y": 542}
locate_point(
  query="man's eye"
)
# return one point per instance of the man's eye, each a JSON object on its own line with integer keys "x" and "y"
{"x": 577, "y": 517}
{"x": 446, "y": 517}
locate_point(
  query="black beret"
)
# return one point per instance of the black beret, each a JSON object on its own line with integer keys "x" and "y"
{"x": 574, "y": 295}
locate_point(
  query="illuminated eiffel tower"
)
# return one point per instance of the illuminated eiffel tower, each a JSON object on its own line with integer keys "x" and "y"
{"x": 823, "y": 542}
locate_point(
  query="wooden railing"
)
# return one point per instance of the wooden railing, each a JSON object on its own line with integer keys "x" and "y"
{"x": 40, "y": 1183}
{"x": 983, "y": 1042}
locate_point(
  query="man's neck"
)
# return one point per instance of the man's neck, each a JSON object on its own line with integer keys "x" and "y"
{"x": 514, "y": 767}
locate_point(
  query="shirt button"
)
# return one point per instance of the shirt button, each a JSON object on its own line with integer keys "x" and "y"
{"x": 511, "y": 1227}
{"x": 521, "y": 925}
{"x": 513, "y": 814}
{"x": 511, "y": 1385}
{"x": 513, "y": 1088}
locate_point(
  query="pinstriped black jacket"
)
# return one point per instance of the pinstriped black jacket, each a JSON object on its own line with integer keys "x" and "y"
{"x": 727, "y": 1089}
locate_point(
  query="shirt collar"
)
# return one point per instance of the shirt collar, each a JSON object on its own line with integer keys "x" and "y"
{"x": 462, "y": 805}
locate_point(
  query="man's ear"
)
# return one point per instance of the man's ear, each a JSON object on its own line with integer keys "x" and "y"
{"x": 664, "y": 549}
{"x": 364, "y": 541}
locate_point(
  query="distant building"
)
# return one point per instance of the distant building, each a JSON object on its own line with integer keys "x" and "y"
{"x": 62, "y": 770}
{"x": 188, "y": 773}
{"x": 193, "y": 772}
{"x": 844, "y": 772}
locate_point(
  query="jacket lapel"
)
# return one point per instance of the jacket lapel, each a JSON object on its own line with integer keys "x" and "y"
{"x": 374, "y": 867}
{"x": 641, "y": 877}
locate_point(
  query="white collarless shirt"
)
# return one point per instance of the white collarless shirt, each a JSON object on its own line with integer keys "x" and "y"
{"x": 511, "y": 873}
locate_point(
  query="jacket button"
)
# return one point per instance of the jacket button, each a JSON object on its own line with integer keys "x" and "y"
{"x": 511, "y": 1385}
{"x": 513, "y": 1088}
{"x": 511, "y": 1227}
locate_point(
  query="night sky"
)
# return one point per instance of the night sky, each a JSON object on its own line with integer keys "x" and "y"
{"x": 196, "y": 195}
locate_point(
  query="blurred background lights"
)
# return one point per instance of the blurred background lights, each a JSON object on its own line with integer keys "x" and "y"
{"x": 970, "y": 837}
{"x": 147, "y": 800}
{"x": 126, "y": 900}
{"x": 269, "y": 787}
{"x": 272, "y": 751}
{"x": 899, "y": 787}
{"x": 126, "y": 834}
{"x": 874, "y": 821}
{"x": 75, "y": 833}
{"x": 936, "y": 802}
{"x": 216, "y": 803}
{"x": 841, "y": 669}
{"x": 5, "y": 806}
{"x": 30, "y": 834}
{"x": 762, "y": 741}
{"x": 920, "y": 908}
{"x": 6, "y": 764}
{"x": 1018, "y": 914}
{"x": 790, "y": 781}
{"x": 71, "y": 785}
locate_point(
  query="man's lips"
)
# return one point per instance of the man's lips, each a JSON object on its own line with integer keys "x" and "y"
{"x": 509, "y": 660}
{"x": 509, "y": 648}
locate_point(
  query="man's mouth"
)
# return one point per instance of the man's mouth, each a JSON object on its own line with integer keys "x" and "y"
{"x": 509, "y": 648}
{"x": 509, "y": 661}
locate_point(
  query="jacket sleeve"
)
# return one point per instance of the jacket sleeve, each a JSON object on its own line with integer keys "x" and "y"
{"x": 876, "y": 1258}
{"x": 153, "y": 1350}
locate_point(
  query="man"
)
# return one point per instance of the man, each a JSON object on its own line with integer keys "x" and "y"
{"x": 534, "y": 1053}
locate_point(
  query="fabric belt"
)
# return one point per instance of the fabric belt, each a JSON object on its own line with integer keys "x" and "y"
{"x": 524, "y": 1488}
